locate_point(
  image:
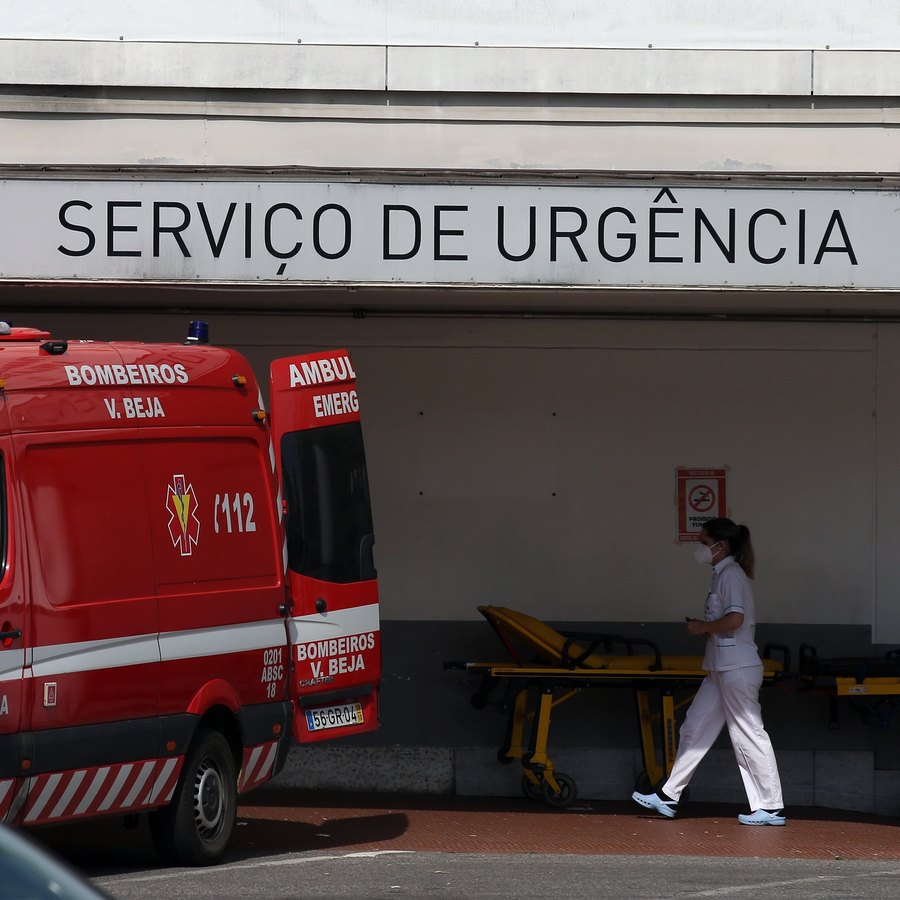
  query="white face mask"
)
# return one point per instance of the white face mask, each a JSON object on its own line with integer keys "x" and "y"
{"x": 703, "y": 555}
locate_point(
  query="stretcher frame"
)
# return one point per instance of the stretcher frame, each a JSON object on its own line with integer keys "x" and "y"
{"x": 564, "y": 664}
{"x": 872, "y": 683}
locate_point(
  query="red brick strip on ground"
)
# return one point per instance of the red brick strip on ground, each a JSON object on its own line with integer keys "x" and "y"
{"x": 316, "y": 821}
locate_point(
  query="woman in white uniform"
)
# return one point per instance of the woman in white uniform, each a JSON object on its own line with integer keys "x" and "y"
{"x": 729, "y": 695}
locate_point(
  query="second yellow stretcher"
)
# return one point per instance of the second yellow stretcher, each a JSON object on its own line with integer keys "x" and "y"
{"x": 871, "y": 683}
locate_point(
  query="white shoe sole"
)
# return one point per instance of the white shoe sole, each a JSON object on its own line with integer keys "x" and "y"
{"x": 663, "y": 810}
{"x": 775, "y": 822}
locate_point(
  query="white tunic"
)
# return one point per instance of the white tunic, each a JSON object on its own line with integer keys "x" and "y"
{"x": 730, "y": 591}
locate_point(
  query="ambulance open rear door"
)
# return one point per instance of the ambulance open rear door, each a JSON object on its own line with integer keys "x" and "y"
{"x": 333, "y": 624}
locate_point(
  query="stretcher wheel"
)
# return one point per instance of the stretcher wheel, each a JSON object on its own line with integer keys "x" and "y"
{"x": 566, "y": 794}
{"x": 531, "y": 790}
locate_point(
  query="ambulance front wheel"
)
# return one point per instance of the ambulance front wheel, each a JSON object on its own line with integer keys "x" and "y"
{"x": 195, "y": 828}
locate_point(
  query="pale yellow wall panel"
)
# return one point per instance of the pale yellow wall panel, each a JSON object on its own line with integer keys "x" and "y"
{"x": 99, "y": 141}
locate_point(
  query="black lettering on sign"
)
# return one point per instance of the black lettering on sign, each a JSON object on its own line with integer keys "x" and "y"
{"x": 751, "y": 235}
{"x": 270, "y": 214}
{"x": 801, "y": 237}
{"x": 317, "y": 220}
{"x": 501, "y": 235}
{"x": 628, "y": 236}
{"x": 701, "y": 219}
{"x": 845, "y": 247}
{"x": 656, "y": 235}
{"x": 216, "y": 244}
{"x": 387, "y": 253}
{"x": 71, "y": 226}
{"x": 439, "y": 232}
{"x": 112, "y": 228}
{"x": 556, "y": 233}
{"x": 175, "y": 230}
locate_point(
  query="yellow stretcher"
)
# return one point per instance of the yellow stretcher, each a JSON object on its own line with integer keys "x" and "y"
{"x": 550, "y": 667}
{"x": 871, "y": 682}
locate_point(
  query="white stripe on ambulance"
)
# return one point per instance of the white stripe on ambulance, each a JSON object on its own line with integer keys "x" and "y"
{"x": 340, "y": 622}
{"x": 88, "y": 656}
{"x": 11, "y": 663}
{"x": 223, "y": 639}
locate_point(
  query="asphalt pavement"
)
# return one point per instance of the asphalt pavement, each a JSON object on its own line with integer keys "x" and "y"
{"x": 294, "y": 844}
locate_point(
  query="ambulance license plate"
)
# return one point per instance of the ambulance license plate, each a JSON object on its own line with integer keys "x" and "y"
{"x": 341, "y": 716}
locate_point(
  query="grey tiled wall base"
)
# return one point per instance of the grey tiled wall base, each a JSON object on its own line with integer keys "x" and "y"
{"x": 836, "y": 779}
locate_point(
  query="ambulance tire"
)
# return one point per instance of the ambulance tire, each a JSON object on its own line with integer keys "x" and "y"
{"x": 195, "y": 828}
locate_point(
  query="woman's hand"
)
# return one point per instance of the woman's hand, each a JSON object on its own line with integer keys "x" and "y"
{"x": 696, "y": 627}
{"x": 729, "y": 622}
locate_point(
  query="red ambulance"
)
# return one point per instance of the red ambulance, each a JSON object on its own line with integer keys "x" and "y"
{"x": 185, "y": 579}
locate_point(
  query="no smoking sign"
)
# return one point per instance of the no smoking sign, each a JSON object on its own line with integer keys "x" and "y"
{"x": 701, "y": 497}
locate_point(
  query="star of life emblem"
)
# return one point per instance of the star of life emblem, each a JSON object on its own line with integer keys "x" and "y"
{"x": 184, "y": 524}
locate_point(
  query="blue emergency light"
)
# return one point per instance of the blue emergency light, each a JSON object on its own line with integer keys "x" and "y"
{"x": 198, "y": 333}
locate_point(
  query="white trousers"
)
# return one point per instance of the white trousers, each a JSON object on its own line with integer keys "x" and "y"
{"x": 729, "y": 698}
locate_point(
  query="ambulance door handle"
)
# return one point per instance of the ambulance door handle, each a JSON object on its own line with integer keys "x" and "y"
{"x": 10, "y": 635}
{"x": 367, "y": 570}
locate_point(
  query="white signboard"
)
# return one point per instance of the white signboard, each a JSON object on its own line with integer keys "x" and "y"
{"x": 862, "y": 24}
{"x": 454, "y": 234}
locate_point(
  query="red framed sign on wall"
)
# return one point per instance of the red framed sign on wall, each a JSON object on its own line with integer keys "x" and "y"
{"x": 701, "y": 497}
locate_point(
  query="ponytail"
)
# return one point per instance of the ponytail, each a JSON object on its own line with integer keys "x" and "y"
{"x": 738, "y": 539}
{"x": 744, "y": 554}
